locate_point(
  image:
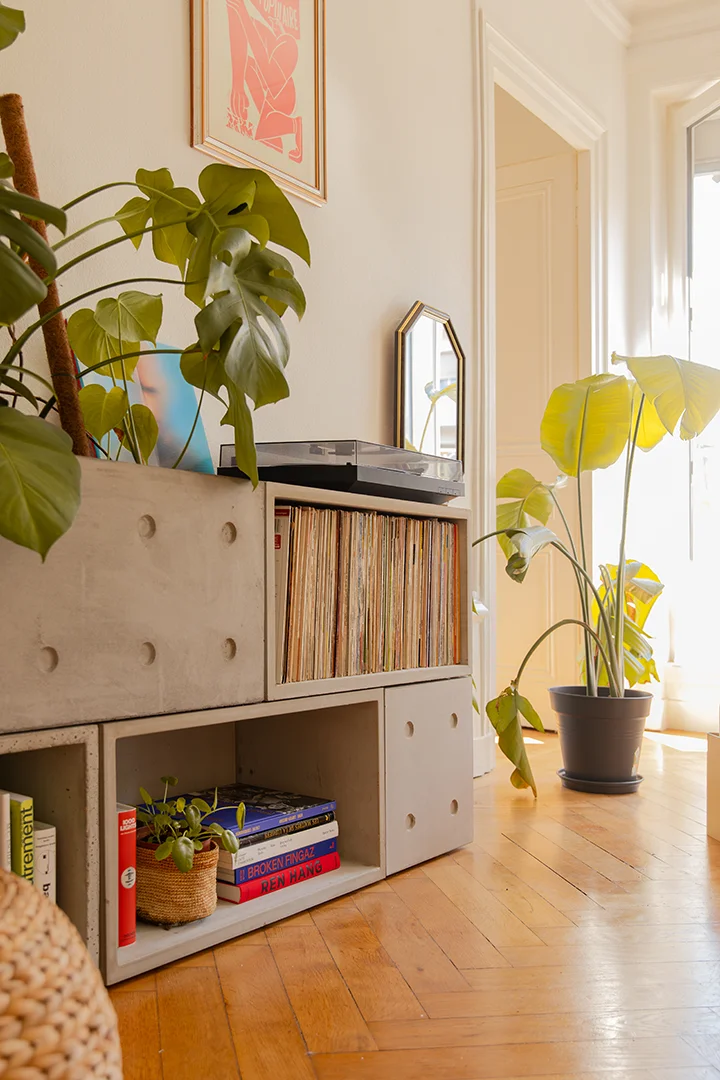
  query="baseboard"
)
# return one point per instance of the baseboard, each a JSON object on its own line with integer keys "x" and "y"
{"x": 483, "y": 753}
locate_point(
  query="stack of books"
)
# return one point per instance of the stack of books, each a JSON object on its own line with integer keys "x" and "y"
{"x": 286, "y": 839}
{"x": 27, "y": 846}
{"x": 361, "y": 592}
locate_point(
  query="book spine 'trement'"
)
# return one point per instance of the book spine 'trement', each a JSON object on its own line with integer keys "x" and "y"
{"x": 21, "y": 826}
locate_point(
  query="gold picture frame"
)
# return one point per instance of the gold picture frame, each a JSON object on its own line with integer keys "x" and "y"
{"x": 241, "y": 90}
{"x": 412, "y": 385}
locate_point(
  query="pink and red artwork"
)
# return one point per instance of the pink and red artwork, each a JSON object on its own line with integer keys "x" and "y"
{"x": 260, "y": 88}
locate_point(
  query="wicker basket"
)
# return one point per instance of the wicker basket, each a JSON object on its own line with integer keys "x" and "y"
{"x": 167, "y": 896}
{"x": 56, "y": 1019}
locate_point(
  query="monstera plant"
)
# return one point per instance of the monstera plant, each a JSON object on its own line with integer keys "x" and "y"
{"x": 221, "y": 242}
{"x": 589, "y": 425}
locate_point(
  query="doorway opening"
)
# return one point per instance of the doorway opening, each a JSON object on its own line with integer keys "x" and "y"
{"x": 541, "y": 304}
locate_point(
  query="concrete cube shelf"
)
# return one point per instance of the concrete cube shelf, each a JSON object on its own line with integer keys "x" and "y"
{"x": 59, "y": 769}
{"x": 152, "y": 603}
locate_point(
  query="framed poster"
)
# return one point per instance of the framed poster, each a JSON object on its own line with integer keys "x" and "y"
{"x": 259, "y": 88}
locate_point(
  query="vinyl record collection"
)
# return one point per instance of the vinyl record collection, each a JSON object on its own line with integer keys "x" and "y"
{"x": 361, "y": 592}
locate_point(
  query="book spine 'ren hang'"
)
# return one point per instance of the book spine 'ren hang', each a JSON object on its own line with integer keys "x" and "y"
{"x": 22, "y": 832}
{"x": 251, "y": 890}
{"x": 127, "y": 835}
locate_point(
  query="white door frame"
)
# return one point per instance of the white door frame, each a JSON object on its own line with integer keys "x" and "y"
{"x": 499, "y": 62}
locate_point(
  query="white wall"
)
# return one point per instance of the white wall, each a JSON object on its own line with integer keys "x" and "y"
{"x": 107, "y": 86}
{"x": 107, "y": 89}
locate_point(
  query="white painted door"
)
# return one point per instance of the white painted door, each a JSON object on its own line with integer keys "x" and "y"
{"x": 537, "y": 349}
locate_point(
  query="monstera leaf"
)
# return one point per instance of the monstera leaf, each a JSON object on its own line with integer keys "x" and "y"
{"x": 504, "y": 714}
{"x": 20, "y": 287}
{"x": 139, "y": 428}
{"x": 238, "y": 416}
{"x": 242, "y": 278}
{"x": 587, "y": 423}
{"x": 39, "y": 481}
{"x": 530, "y": 499}
{"x": 12, "y": 23}
{"x": 680, "y": 390}
{"x": 132, "y": 316}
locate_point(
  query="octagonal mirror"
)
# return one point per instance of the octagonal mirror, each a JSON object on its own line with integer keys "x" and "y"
{"x": 430, "y": 384}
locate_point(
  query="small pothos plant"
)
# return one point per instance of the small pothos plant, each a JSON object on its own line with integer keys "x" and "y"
{"x": 221, "y": 242}
{"x": 177, "y": 826}
{"x": 589, "y": 425}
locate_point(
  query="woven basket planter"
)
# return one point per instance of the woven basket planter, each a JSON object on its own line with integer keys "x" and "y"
{"x": 167, "y": 896}
{"x": 56, "y": 1019}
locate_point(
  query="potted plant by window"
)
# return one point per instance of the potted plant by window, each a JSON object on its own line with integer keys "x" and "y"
{"x": 177, "y": 856}
{"x": 589, "y": 425}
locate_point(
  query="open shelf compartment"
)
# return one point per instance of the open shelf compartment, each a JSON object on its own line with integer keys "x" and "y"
{"x": 331, "y": 747}
{"x": 288, "y": 494}
{"x": 59, "y": 769}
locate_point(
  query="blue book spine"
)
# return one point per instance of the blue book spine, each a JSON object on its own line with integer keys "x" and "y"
{"x": 278, "y": 863}
{"x": 259, "y": 821}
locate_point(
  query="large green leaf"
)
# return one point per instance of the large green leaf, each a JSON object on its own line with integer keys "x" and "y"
{"x": 102, "y": 409}
{"x": 530, "y": 499}
{"x": 240, "y": 280}
{"x": 92, "y": 345}
{"x": 132, "y": 316}
{"x": 680, "y": 390}
{"x": 20, "y": 287}
{"x": 528, "y": 543}
{"x": 218, "y": 215}
{"x": 587, "y": 423}
{"x": 39, "y": 481}
{"x": 504, "y": 714}
{"x": 239, "y": 417}
{"x": 642, "y": 589}
{"x": 12, "y": 23}
{"x": 269, "y": 202}
{"x": 165, "y": 206}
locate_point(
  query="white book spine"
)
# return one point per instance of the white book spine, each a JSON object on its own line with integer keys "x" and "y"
{"x": 5, "y": 832}
{"x": 246, "y": 856}
{"x": 45, "y": 875}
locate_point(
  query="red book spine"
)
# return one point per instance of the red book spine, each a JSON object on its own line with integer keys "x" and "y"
{"x": 265, "y": 886}
{"x": 127, "y": 835}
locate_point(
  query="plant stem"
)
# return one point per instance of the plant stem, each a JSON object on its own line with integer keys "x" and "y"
{"x": 590, "y": 670}
{"x": 114, "y": 242}
{"x": 620, "y": 587}
{"x": 34, "y": 327}
{"x": 192, "y": 429}
{"x": 81, "y": 232}
{"x": 612, "y": 673}
{"x": 551, "y": 630}
{"x": 97, "y": 191}
{"x": 136, "y": 445}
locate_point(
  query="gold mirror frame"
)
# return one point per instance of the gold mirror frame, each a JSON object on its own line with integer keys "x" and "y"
{"x": 417, "y": 311}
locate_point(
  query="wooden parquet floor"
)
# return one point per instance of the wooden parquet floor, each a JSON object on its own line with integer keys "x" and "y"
{"x": 576, "y": 937}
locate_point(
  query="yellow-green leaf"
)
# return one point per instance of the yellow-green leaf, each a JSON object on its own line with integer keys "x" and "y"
{"x": 92, "y": 345}
{"x": 680, "y": 390}
{"x": 102, "y": 409}
{"x": 531, "y": 499}
{"x": 132, "y": 316}
{"x": 587, "y": 423}
{"x": 144, "y": 427}
{"x": 651, "y": 429}
{"x": 504, "y": 715}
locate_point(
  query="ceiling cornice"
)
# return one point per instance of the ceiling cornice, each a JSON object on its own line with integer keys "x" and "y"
{"x": 681, "y": 20}
{"x": 612, "y": 17}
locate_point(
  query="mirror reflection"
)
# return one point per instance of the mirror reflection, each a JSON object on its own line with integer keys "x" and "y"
{"x": 430, "y": 374}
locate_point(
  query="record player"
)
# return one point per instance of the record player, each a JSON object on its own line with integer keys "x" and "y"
{"x": 353, "y": 465}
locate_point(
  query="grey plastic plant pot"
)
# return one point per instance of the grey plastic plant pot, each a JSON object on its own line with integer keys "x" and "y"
{"x": 600, "y": 737}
